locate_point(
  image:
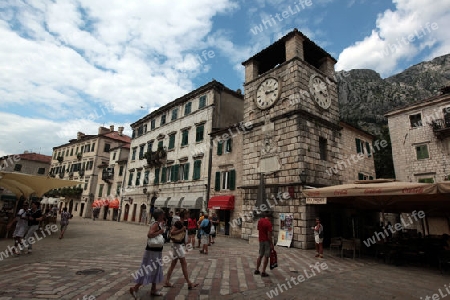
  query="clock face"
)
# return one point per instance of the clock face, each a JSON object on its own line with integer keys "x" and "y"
{"x": 319, "y": 91}
{"x": 267, "y": 93}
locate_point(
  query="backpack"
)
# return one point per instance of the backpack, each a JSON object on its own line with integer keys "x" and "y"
{"x": 207, "y": 228}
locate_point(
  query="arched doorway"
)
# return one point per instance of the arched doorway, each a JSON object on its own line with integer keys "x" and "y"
{"x": 70, "y": 205}
{"x": 133, "y": 217}
{"x": 125, "y": 213}
{"x": 143, "y": 214}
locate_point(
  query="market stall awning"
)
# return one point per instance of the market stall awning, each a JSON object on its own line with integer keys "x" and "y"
{"x": 26, "y": 184}
{"x": 114, "y": 204}
{"x": 161, "y": 202}
{"x": 388, "y": 196}
{"x": 44, "y": 200}
{"x": 221, "y": 202}
{"x": 192, "y": 202}
{"x": 174, "y": 203}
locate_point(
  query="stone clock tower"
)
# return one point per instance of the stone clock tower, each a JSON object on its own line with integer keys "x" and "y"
{"x": 292, "y": 102}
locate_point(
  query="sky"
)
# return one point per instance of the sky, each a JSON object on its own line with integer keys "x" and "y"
{"x": 74, "y": 65}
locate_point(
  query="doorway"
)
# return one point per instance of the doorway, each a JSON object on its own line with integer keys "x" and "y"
{"x": 81, "y": 209}
{"x": 133, "y": 217}
{"x": 125, "y": 213}
{"x": 70, "y": 205}
{"x": 143, "y": 214}
{"x": 105, "y": 212}
{"x": 224, "y": 219}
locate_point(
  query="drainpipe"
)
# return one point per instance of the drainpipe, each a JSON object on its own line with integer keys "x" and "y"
{"x": 121, "y": 191}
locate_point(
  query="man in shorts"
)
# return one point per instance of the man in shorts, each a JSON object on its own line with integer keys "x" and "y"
{"x": 34, "y": 217}
{"x": 21, "y": 228}
{"x": 265, "y": 243}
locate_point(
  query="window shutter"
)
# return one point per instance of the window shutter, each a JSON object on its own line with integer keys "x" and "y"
{"x": 186, "y": 171}
{"x": 369, "y": 153}
{"x": 232, "y": 180}
{"x": 219, "y": 148}
{"x": 163, "y": 174}
{"x": 175, "y": 172}
{"x": 197, "y": 165}
{"x": 217, "y": 186}
{"x": 358, "y": 145}
{"x": 229, "y": 144}
{"x": 130, "y": 180}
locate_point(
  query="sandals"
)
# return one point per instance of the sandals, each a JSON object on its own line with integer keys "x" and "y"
{"x": 133, "y": 292}
{"x": 192, "y": 286}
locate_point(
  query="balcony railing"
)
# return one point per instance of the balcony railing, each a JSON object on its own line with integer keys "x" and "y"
{"x": 441, "y": 128}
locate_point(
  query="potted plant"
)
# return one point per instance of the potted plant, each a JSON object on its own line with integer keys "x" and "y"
{"x": 79, "y": 155}
{"x": 60, "y": 159}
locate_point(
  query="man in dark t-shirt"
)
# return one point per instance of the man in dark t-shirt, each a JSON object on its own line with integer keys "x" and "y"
{"x": 265, "y": 243}
{"x": 34, "y": 217}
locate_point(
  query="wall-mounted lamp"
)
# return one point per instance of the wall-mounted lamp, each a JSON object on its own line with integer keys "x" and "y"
{"x": 303, "y": 176}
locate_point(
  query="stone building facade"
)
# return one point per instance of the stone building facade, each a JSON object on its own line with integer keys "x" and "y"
{"x": 291, "y": 101}
{"x": 358, "y": 149}
{"x": 171, "y": 151}
{"x": 83, "y": 159}
{"x": 226, "y": 171}
{"x": 420, "y": 135}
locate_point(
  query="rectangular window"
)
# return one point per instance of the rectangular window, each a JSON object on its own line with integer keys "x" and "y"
{"x": 41, "y": 171}
{"x": 145, "y": 128}
{"x": 71, "y": 152}
{"x": 184, "y": 172}
{"x": 422, "y": 152}
{"x": 86, "y": 182}
{"x": 133, "y": 134}
{"x": 156, "y": 181}
{"x": 114, "y": 155}
{"x": 163, "y": 175}
{"x": 146, "y": 177}
{"x": 323, "y": 148}
{"x": 199, "y": 133}
{"x": 138, "y": 178}
{"x": 219, "y": 148}
{"x": 426, "y": 180}
{"x": 149, "y": 146}
{"x": 17, "y": 167}
{"x": 160, "y": 144}
{"x": 171, "y": 141}
{"x": 119, "y": 187}
{"x": 187, "y": 108}
{"x": 141, "y": 151}
{"x": 202, "y": 102}
{"x": 185, "y": 138}
{"x": 228, "y": 145}
{"x": 121, "y": 171}
{"x": 133, "y": 155}
{"x": 152, "y": 124}
{"x": 163, "y": 120}
{"x": 130, "y": 179}
{"x": 174, "y": 114}
{"x": 67, "y": 152}
{"x": 197, "y": 168}
{"x": 368, "y": 150}
{"x": 107, "y": 147}
{"x": 93, "y": 147}
{"x": 415, "y": 120}
{"x": 108, "y": 192}
{"x": 87, "y": 148}
{"x": 81, "y": 150}
{"x": 100, "y": 190}
{"x": 359, "y": 146}
{"x": 225, "y": 180}
{"x": 140, "y": 130}
{"x": 175, "y": 175}
{"x": 217, "y": 182}
{"x": 169, "y": 174}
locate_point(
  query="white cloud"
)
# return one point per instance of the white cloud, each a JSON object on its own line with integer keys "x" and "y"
{"x": 69, "y": 60}
{"x": 401, "y": 35}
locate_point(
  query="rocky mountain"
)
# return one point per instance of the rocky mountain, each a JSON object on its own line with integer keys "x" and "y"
{"x": 364, "y": 97}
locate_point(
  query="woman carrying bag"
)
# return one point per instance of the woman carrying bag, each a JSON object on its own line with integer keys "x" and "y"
{"x": 152, "y": 254}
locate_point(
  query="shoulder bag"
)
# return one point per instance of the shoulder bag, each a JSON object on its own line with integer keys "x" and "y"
{"x": 156, "y": 242}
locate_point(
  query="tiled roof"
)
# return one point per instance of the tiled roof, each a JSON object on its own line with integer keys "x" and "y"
{"x": 36, "y": 157}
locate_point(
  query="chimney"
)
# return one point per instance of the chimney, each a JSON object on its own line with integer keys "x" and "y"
{"x": 111, "y": 128}
{"x": 239, "y": 91}
{"x": 102, "y": 130}
{"x": 79, "y": 135}
{"x": 120, "y": 129}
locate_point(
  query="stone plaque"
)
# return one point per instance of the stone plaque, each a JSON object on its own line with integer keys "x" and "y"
{"x": 269, "y": 164}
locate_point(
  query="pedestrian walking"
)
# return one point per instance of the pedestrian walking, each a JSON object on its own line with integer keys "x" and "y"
{"x": 318, "y": 238}
{"x": 151, "y": 261}
{"x": 205, "y": 229}
{"x": 179, "y": 252}
{"x": 265, "y": 243}
{"x": 34, "y": 217}
{"x": 200, "y": 219}
{"x": 65, "y": 216}
{"x": 192, "y": 230}
{"x": 21, "y": 228}
{"x": 215, "y": 222}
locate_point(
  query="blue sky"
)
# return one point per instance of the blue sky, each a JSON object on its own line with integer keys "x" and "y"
{"x": 75, "y": 65}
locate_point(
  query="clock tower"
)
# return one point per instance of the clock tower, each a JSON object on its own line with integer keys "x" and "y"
{"x": 291, "y": 101}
